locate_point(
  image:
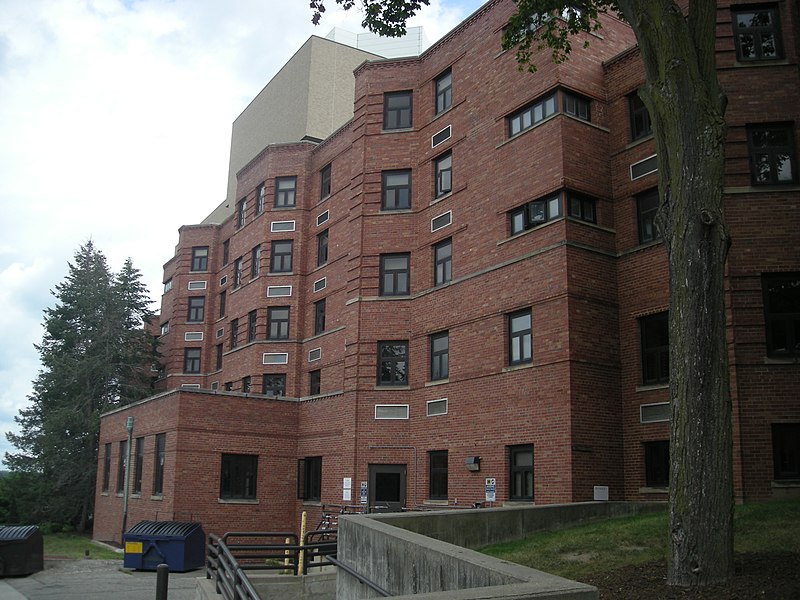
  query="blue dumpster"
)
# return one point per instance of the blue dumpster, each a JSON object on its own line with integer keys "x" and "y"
{"x": 179, "y": 545}
{"x": 21, "y": 550}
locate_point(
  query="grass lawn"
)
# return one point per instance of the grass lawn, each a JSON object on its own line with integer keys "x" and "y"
{"x": 72, "y": 545}
{"x": 584, "y": 550}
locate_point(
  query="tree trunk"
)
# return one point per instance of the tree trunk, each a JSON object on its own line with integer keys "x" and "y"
{"x": 686, "y": 108}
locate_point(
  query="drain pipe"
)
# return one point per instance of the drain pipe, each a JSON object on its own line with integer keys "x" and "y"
{"x": 129, "y": 427}
{"x": 414, "y": 448}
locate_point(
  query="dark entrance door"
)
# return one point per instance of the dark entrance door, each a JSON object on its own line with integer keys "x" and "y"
{"x": 387, "y": 487}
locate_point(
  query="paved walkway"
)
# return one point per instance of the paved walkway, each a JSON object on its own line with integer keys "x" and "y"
{"x": 95, "y": 580}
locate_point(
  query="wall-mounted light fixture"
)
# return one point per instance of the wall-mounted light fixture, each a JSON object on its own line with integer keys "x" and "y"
{"x": 473, "y": 463}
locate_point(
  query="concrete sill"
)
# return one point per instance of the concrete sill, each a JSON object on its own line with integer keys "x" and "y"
{"x": 649, "y": 388}
{"x": 236, "y": 501}
{"x": 653, "y": 490}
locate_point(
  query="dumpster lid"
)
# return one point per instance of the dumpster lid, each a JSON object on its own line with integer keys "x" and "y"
{"x": 17, "y": 532}
{"x": 166, "y": 528}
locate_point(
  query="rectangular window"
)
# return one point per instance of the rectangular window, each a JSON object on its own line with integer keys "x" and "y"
{"x": 646, "y": 209}
{"x": 443, "y": 167}
{"x": 640, "y": 118}
{"x": 234, "y": 341}
{"x": 260, "y": 199}
{"x": 191, "y": 360}
{"x": 158, "y": 466}
{"x": 443, "y": 262}
{"x": 520, "y": 481}
{"x": 252, "y": 325}
{"x": 322, "y": 248}
{"x": 167, "y": 285}
{"x": 279, "y": 291}
{"x": 279, "y": 226}
{"x": 441, "y": 136}
{"x": 200, "y": 258}
{"x": 582, "y": 207}
{"x": 285, "y": 191}
{"x": 281, "y": 257}
{"x": 392, "y": 363}
{"x": 278, "y": 323}
{"x": 106, "y": 466}
{"x": 325, "y": 182}
{"x": 772, "y": 156}
{"x": 655, "y": 348}
{"x": 237, "y": 273}
{"x": 238, "y": 477}
{"x": 246, "y": 383}
{"x": 273, "y": 385}
{"x": 314, "y": 382}
{"x": 532, "y": 114}
{"x": 319, "y": 316}
{"x": 658, "y": 412}
{"x": 315, "y": 354}
{"x": 577, "y": 106}
{"x": 786, "y": 450}
{"x": 309, "y": 478}
{"x": 440, "y": 221}
{"x": 391, "y": 412}
{"x": 218, "y": 353}
{"x": 228, "y": 386}
{"x": 520, "y": 338}
{"x": 656, "y": 464}
{"x": 437, "y": 475}
{"x": 222, "y": 299}
{"x": 444, "y": 91}
{"x": 397, "y": 110}
{"x": 165, "y": 328}
{"x": 757, "y": 33}
{"x": 255, "y": 262}
{"x": 534, "y": 213}
{"x": 193, "y": 336}
{"x": 395, "y": 274}
{"x": 226, "y": 250}
{"x": 323, "y": 217}
{"x": 782, "y": 313}
{"x": 197, "y": 285}
{"x": 138, "y": 465}
{"x": 241, "y": 209}
{"x": 437, "y": 407}
{"x": 396, "y": 190}
{"x": 440, "y": 356}
{"x": 320, "y": 284}
{"x": 122, "y": 463}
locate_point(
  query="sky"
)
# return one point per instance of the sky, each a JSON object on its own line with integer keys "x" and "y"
{"x": 115, "y": 121}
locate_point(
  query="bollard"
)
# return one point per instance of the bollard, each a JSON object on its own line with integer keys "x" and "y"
{"x": 162, "y": 581}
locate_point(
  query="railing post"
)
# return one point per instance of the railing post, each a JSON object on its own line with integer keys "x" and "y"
{"x": 162, "y": 582}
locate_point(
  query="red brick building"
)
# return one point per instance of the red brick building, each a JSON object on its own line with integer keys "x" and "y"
{"x": 463, "y": 282}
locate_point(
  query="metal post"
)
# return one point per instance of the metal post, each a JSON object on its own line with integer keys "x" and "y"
{"x": 162, "y": 581}
{"x": 129, "y": 427}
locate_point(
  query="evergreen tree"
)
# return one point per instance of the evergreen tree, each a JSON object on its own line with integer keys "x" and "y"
{"x": 96, "y": 355}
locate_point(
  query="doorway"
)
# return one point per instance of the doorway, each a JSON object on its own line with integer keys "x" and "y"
{"x": 387, "y": 488}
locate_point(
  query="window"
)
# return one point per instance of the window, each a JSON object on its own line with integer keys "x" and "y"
{"x": 786, "y": 450}
{"x": 656, "y": 463}
{"x": 278, "y": 323}
{"x": 323, "y": 217}
{"x": 167, "y": 285}
{"x": 534, "y": 213}
{"x": 279, "y": 226}
{"x": 309, "y": 478}
{"x": 246, "y": 383}
{"x": 440, "y": 356}
{"x": 576, "y": 106}
{"x": 165, "y": 328}
{"x": 234, "y": 333}
{"x": 273, "y": 385}
{"x": 200, "y": 258}
{"x": 122, "y": 464}
{"x": 520, "y": 481}
{"x": 444, "y": 175}
{"x": 106, "y": 466}
{"x": 757, "y": 33}
{"x": 437, "y": 475}
{"x": 137, "y": 466}
{"x": 520, "y": 338}
{"x": 241, "y": 209}
{"x": 581, "y": 207}
{"x": 325, "y": 182}
{"x": 218, "y": 352}
{"x": 655, "y": 348}
{"x": 285, "y": 189}
{"x": 279, "y": 291}
{"x": 392, "y": 363}
{"x": 228, "y": 386}
{"x": 444, "y": 91}
{"x": 396, "y": 190}
{"x": 252, "y": 324}
{"x": 395, "y": 274}
{"x": 260, "y": 199}
{"x": 191, "y": 360}
{"x": 222, "y": 298}
{"x": 437, "y": 407}
{"x": 441, "y": 221}
{"x": 397, "y": 110}
{"x": 255, "y": 262}
{"x": 322, "y": 248}
{"x": 237, "y": 273}
{"x": 640, "y": 118}
{"x": 319, "y": 316}
{"x": 782, "y": 313}
{"x": 226, "y": 249}
{"x": 238, "y": 477}
{"x": 314, "y": 382}
{"x": 391, "y": 412}
{"x": 532, "y": 114}
{"x": 281, "y": 259}
{"x": 158, "y": 466}
{"x": 772, "y": 156}
{"x": 443, "y": 262}
{"x": 646, "y": 209}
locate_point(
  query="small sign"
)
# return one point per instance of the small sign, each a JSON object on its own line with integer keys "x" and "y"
{"x": 491, "y": 489}
{"x": 133, "y": 547}
{"x": 363, "y": 492}
{"x": 347, "y": 489}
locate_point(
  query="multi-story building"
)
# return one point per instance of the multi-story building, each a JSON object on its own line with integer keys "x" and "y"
{"x": 463, "y": 282}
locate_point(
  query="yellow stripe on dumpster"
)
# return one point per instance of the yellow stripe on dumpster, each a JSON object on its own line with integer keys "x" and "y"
{"x": 133, "y": 547}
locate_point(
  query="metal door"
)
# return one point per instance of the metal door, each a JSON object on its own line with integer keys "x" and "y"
{"x": 387, "y": 488}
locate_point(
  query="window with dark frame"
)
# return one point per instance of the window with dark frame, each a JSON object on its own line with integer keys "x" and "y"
{"x": 199, "y": 258}
{"x": 782, "y": 313}
{"x": 237, "y": 273}
{"x": 397, "y": 110}
{"x": 252, "y": 325}
{"x": 238, "y": 477}
{"x": 322, "y": 248}
{"x": 309, "y": 478}
{"x": 786, "y": 451}
{"x": 285, "y": 191}
{"x": 226, "y": 249}
{"x": 122, "y": 463}
{"x": 281, "y": 256}
{"x": 655, "y": 348}
{"x": 246, "y": 384}
{"x": 255, "y": 262}
{"x": 444, "y": 91}
{"x": 640, "y": 118}
{"x": 395, "y": 274}
{"x": 530, "y": 115}
{"x": 222, "y": 298}
{"x": 158, "y": 463}
{"x": 656, "y": 463}
{"x": 234, "y": 326}
{"x": 440, "y": 356}
{"x": 534, "y": 213}
{"x": 646, "y": 209}
{"x": 443, "y": 168}
{"x": 520, "y": 337}
{"x": 191, "y": 360}
{"x": 577, "y": 106}
{"x": 273, "y": 384}
{"x": 218, "y": 351}
{"x": 138, "y": 465}
{"x": 443, "y": 262}
{"x": 325, "y": 182}
{"x": 396, "y": 190}
{"x": 319, "y": 316}
{"x": 228, "y": 386}
{"x": 260, "y": 199}
{"x": 314, "y": 382}
{"x": 197, "y": 307}
{"x": 520, "y": 479}
{"x": 757, "y": 33}
{"x": 582, "y": 207}
{"x": 106, "y": 466}
{"x": 278, "y": 323}
{"x": 241, "y": 209}
{"x": 392, "y": 363}
{"x": 772, "y": 154}
{"x": 437, "y": 475}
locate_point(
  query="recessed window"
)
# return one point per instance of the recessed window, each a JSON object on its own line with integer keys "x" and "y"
{"x": 197, "y": 285}
{"x": 441, "y": 136}
{"x": 281, "y": 257}
{"x": 577, "y": 106}
{"x": 437, "y": 407}
{"x": 158, "y": 466}
{"x": 656, "y": 463}
{"x": 234, "y": 341}
{"x": 391, "y": 412}
{"x": 255, "y": 262}
{"x": 193, "y": 336}
{"x": 279, "y": 226}
{"x": 278, "y": 323}
{"x": 315, "y": 354}
{"x": 325, "y": 182}
{"x": 285, "y": 190}
{"x": 167, "y": 285}
{"x": 396, "y": 190}
{"x": 320, "y": 284}
{"x": 237, "y": 273}
{"x": 786, "y": 450}
{"x": 238, "y": 477}
{"x": 199, "y": 258}
{"x": 440, "y": 356}
{"x": 582, "y": 207}
{"x": 319, "y": 316}
{"x": 323, "y": 217}
{"x": 757, "y": 33}
{"x": 441, "y": 221}
{"x": 222, "y": 302}
{"x": 520, "y": 479}
{"x": 444, "y": 91}
{"x": 443, "y": 168}
{"x": 226, "y": 249}
{"x": 275, "y": 358}
{"x": 309, "y": 478}
{"x": 241, "y": 210}
{"x": 122, "y": 462}
{"x": 106, "y": 466}
{"x": 279, "y": 291}
{"x": 260, "y": 193}
{"x": 392, "y": 363}
{"x": 191, "y": 360}
{"x": 532, "y": 114}
{"x": 437, "y": 475}
{"x": 397, "y": 110}
{"x": 395, "y": 274}
{"x": 782, "y": 313}
{"x": 252, "y": 325}
{"x": 165, "y": 328}
{"x": 246, "y": 384}
{"x": 654, "y": 413}
{"x": 322, "y": 248}
{"x": 443, "y": 262}
{"x": 534, "y": 213}
{"x": 655, "y": 348}
{"x": 772, "y": 156}
{"x": 273, "y": 385}
{"x": 520, "y": 337}
{"x": 640, "y": 118}
{"x": 218, "y": 352}
{"x": 314, "y": 382}
{"x": 644, "y": 167}
{"x": 228, "y": 386}
{"x": 197, "y": 307}
{"x": 646, "y": 209}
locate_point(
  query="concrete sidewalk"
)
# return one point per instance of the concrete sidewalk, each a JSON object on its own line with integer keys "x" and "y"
{"x": 95, "y": 580}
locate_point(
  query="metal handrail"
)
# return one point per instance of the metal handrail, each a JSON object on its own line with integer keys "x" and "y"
{"x": 370, "y": 584}
{"x": 230, "y": 579}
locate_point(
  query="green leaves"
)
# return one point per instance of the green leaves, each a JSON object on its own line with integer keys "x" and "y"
{"x": 383, "y": 17}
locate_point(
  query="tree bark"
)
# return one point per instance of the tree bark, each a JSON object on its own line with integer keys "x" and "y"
{"x": 686, "y": 108}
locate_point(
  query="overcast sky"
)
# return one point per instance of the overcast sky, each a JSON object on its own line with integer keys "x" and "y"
{"x": 115, "y": 120}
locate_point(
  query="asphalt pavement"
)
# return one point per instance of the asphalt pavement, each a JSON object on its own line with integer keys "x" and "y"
{"x": 95, "y": 580}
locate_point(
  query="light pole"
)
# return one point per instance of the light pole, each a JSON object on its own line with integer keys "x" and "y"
{"x": 129, "y": 427}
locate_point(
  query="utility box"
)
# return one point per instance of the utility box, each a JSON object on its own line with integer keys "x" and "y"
{"x": 21, "y": 550}
{"x": 179, "y": 545}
